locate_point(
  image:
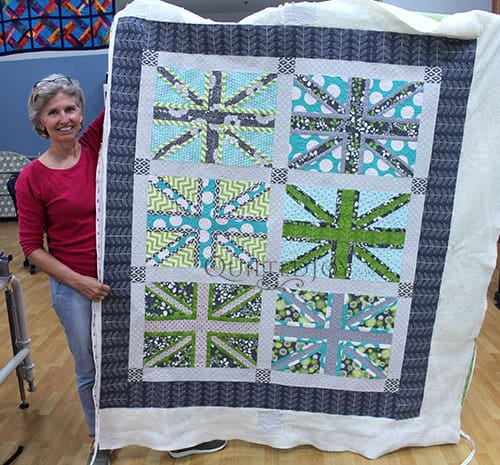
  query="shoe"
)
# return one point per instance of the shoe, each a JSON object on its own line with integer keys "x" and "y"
{"x": 203, "y": 448}
{"x": 103, "y": 457}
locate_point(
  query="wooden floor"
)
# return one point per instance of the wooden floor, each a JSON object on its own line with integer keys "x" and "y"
{"x": 53, "y": 432}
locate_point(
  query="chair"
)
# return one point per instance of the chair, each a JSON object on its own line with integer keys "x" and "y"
{"x": 10, "y": 163}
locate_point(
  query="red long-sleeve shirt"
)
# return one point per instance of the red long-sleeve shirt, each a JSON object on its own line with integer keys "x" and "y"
{"x": 62, "y": 204}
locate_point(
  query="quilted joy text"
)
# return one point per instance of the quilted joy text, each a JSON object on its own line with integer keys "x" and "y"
{"x": 269, "y": 273}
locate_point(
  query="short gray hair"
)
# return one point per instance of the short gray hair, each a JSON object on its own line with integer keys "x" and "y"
{"x": 47, "y": 88}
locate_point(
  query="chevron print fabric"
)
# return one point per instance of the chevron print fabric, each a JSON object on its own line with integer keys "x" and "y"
{"x": 279, "y": 202}
{"x": 199, "y": 223}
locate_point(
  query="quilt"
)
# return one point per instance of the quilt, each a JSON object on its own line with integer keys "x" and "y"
{"x": 286, "y": 210}
{"x": 34, "y": 25}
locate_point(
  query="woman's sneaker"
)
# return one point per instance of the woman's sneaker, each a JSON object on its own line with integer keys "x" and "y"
{"x": 203, "y": 448}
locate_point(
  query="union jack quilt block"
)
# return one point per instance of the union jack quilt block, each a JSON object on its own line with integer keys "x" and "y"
{"x": 278, "y": 209}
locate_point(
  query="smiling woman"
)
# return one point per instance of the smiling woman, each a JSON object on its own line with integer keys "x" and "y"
{"x": 47, "y": 89}
{"x": 56, "y": 197}
{"x": 61, "y": 120}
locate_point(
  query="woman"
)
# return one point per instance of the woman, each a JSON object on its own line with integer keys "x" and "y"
{"x": 56, "y": 197}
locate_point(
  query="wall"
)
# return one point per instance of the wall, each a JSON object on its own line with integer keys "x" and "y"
{"x": 442, "y": 6}
{"x": 19, "y": 72}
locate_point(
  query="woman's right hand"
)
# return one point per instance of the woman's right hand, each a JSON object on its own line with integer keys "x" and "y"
{"x": 89, "y": 286}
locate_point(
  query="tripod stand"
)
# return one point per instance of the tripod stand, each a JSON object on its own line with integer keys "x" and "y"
{"x": 21, "y": 361}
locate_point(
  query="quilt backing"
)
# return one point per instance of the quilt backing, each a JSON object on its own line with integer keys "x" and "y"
{"x": 33, "y": 25}
{"x": 278, "y": 202}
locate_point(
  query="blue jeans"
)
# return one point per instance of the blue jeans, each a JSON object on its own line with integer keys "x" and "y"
{"x": 75, "y": 313}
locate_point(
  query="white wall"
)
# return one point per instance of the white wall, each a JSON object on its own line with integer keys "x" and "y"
{"x": 442, "y": 6}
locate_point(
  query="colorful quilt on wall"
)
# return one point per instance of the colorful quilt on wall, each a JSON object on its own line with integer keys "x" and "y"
{"x": 275, "y": 225}
{"x": 33, "y": 25}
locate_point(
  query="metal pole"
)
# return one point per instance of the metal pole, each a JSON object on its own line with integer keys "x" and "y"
{"x": 23, "y": 340}
{"x": 13, "y": 337}
{"x": 21, "y": 362}
{"x": 12, "y": 364}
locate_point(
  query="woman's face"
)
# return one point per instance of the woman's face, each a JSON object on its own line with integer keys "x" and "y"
{"x": 62, "y": 118}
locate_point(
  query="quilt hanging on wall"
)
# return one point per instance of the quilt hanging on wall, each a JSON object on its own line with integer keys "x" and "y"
{"x": 285, "y": 215}
{"x": 34, "y": 25}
